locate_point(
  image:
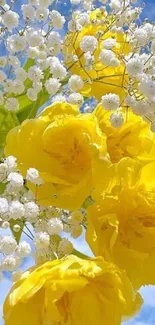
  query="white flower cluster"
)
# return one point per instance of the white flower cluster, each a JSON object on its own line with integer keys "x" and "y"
{"x": 42, "y": 227}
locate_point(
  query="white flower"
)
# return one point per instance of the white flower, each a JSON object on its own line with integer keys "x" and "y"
{"x": 3, "y": 61}
{"x": 52, "y": 85}
{"x": 88, "y": 43}
{"x": 24, "y": 249}
{"x": 55, "y": 226}
{"x": 33, "y": 176}
{"x": 31, "y": 211}
{"x": 32, "y": 94}
{"x": 65, "y": 246}
{"x": 141, "y": 36}
{"x": 76, "y": 217}
{"x": 16, "y": 228}
{"x": 54, "y": 43}
{"x": 109, "y": 43}
{"x": 107, "y": 57}
{"x": 16, "y": 210}
{"x": 4, "y": 206}
{"x": 10, "y": 19}
{"x": 18, "y": 86}
{"x": 56, "y": 19}
{"x": 42, "y": 240}
{"x": 10, "y": 263}
{"x": 34, "y": 37}
{"x": 73, "y": 26}
{"x": 2, "y": 76}
{"x": 58, "y": 70}
{"x": 11, "y": 104}
{"x": 75, "y": 99}
{"x": 134, "y": 66}
{"x": 5, "y": 225}
{"x": 16, "y": 43}
{"x": 13, "y": 61}
{"x": 37, "y": 86}
{"x": 9, "y": 86}
{"x": 42, "y": 14}
{"x": 116, "y": 120}
{"x": 28, "y": 11}
{"x": 75, "y": 83}
{"x": 3, "y": 171}
{"x": 16, "y": 180}
{"x": 59, "y": 98}
{"x": 32, "y": 52}
{"x": 89, "y": 61}
{"x": 20, "y": 74}
{"x": 110, "y": 101}
{"x": 35, "y": 73}
{"x": 140, "y": 107}
{"x": 16, "y": 275}
{"x": 147, "y": 86}
{"x": 11, "y": 163}
{"x": 8, "y": 245}
{"x": 83, "y": 19}
{"x": 45, "y": 3}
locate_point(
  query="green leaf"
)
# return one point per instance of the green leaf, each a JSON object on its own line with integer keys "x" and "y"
{"x": 8, "y": 120}
{"x": 17, "y": 235}
{"x": 2, "y": 188}
{"x": 29, "y": 63}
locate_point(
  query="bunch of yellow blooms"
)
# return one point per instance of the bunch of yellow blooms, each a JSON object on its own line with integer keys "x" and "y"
{"x": 94, "y": 176}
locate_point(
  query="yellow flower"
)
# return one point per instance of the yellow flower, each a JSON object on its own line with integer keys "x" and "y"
{"x": 100, "y": 79}
{"x": 72, "y": 291}
{"x": 133, "y": 139}
{"x": 64, "y": 146}
{"x": 121, "y": 224}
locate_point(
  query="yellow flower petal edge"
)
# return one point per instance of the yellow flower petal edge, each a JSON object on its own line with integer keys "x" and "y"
{"x": 133, "y": 139}
{"x": 72, "y": 291}
{"x": 121, "y": 223}
{"x": 66, "y": 148}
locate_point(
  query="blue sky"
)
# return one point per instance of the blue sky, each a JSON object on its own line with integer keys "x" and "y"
{"x": 147, "y": 314}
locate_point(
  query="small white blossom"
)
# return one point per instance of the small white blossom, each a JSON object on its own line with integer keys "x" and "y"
{"x": 16, "y": 228}
{"x": 28, "y": 11}
{"x": 42, "y": 240}
{"x": 16, "y": 210}
{"x": 31, "y": 211}
{"x": 34, "y": 38}
{"x": 107, "y": 57}
{"x": 16, "y": 43}
{"x": 32, "y": 94}
{"x": 35, "y": 73}
{"x": 56, "y": 19}
{"x": 58, "y": 71}
{"x": 52, "y": 85}
{"x": 88, "y": 43}
{"x": 24, "y": 249}
{"x": 16, "y": 180}
{"x": 11, "y": 163}
{"x": 11, "y": 104}
{"x": 3, "y": 61}
{"x": 109, "y": 43}
{"x": 75, "y": 99}
{"x": 42, "y": 13}
{"x": 14, "y": 61}
{"x": 4, "y": 206}
{"x": 8, "y": 245}
{"x": 75, "y": 83}
{"x": 2, "y": 77}
{"x": 18, "y": 87}
{"x": 10, "y": 19}
{"x": 21, "y": 74}
{"x": 76, "y": 231}
{"x": 116, "y": 120}
{"x": 55, "y": 226}
{"x": 134, "y": 66}
{"x": 110, "y": 101}
{"x": 10, "y": 263}
{"x": 33, "y": 176}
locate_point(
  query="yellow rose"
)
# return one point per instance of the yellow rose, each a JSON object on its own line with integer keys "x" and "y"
{"x": 101, "y": 79}
{"x": 72, "y": 291}
{"x": 133, "y": 139}
{"x": 65, "y": 147}
{"x": 121, "y": 224}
